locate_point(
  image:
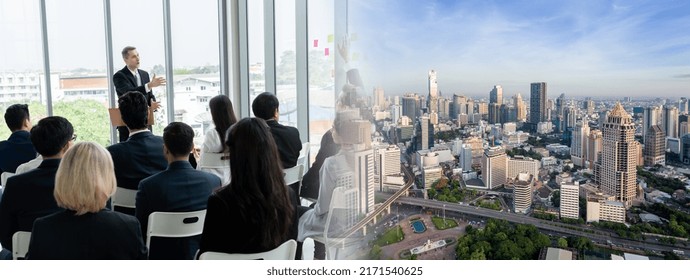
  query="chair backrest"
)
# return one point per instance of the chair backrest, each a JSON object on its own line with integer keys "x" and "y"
{"x": 214, "y": 160}
{"x": 303, "y": 158}
{"x": 175, "y": 224}
{"x": 293, "y": 174}
{"x": 285, "y": 251}
{"x": 124, "y": 198}
{"x": 20, "y": 244}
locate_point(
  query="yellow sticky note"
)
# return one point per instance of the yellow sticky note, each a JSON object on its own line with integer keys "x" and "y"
{"x": 330, "y": 38}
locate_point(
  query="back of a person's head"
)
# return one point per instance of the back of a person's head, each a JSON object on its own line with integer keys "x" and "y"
{"x": 134, "y": 109}
{"x": 178, "y": 138}
{"x": 223, "y": 114}
{"x": 85, "y": 179}
{"x": 257, "y": 179}
{"x": 15, "y": 116}
{"x": 51, "y": 134}
{"x": 265, "y": 105}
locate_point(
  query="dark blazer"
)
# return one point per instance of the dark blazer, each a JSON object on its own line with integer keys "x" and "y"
{"x": 288, "y": 142}
{"x": 180, "y": 188}
{"x": 311, "y": 181}
{"x": 227, "y": 230}
{"x": 27, "y": 196}
{"x": 105, "y": 235}
{"x": 137, "y": 158}
{"x": 14, "y": 151}
{"x": 125, "y": 82}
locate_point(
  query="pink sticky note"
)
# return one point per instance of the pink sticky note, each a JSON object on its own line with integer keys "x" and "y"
{"x": 316, "y": 43}
{"x": 326, "y": 52}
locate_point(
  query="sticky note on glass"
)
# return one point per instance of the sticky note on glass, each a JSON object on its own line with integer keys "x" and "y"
{"x": 326, "y": 52}
{"x": 316, "y": 43}
{"x": 330, "y": 38}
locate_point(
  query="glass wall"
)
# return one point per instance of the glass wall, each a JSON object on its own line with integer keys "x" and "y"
{"x": 321, "y": 70}
{"x": 257, "y": 71}
{"x": 21, "y": 64}
{"x": 195, "y": 57}
{"x": 78, "y": 59}
{"x": 286, "y": 63}
{"x": 131, "y": 28}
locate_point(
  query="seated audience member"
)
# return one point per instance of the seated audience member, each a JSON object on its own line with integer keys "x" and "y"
{"x": 256, "y": 212}
{"x": 142, "y": 154}
{"x": 86, "y": 230}
{"x": 214, "y": 148}
{"x": 17, "y": 149}
{"x": 180, "y": 188}
{"x": 265, "y": 106}
{"x": 29, "y": 196}
{"x": 313, "y": 222}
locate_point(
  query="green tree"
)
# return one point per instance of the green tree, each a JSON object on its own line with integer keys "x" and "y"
{"x": 375, "y": 253}
{"x": 287, "y": 69}
{"x": 556, "y": 198}
{"x": 562, "y": 243}
{"x": 89, "y": 118}
{"x": 478, "y": 255}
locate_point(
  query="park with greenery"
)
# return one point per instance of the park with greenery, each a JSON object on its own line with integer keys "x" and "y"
{"x": 499, "y": 240}
{"x": 441, "y": 223}
{"x": 392, "y": 235}
{"x": 449, "y": 191}
{"x": 666, "y": 185}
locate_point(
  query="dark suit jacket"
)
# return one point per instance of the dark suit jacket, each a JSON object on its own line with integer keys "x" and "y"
{"x": 14, "y": 151}
{"x": 180, "y": 188}
{"x": 27, "y": 196}
{"x": 105, "y": 235}
{"x": 125, "y": 82}
{"x": 137, "y": 158}
{"x": 288, "y": 142}
{"x": 311, "y": 181}
{"x": 228, "y": 231}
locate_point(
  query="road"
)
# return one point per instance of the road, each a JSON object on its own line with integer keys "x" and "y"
{"x": 599, "y": 236}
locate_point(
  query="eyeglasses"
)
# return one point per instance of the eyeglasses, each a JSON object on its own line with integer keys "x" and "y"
{"x": 74, "y": 137}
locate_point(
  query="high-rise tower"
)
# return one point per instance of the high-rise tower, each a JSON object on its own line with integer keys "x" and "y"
{"x": 537, "y": 102}
{"x": 617, "y": 174}
{"x": 433, "y": 92}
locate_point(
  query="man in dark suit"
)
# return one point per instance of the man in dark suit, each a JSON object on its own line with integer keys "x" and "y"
{"x": 131, "y": 78}
{"x": 29, "y": 196}
{"x": 142, "y": 154}
{"x": 180, "y": 188}
{"x": 17, "y": 149}
{"x": 287, "y": 139}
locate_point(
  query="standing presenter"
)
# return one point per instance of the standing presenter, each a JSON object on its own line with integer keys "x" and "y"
{"x": 131, "y": 78}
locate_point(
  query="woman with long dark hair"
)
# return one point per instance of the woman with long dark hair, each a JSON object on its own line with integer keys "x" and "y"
{"x": 256, "y": 211}
{"x": 214, "y": 158}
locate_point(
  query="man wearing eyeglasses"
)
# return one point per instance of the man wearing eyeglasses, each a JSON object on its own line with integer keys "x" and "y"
{"x": 29, "y": 196}
{"x": 131, "y": 78}
{"x": 17, "y": 149}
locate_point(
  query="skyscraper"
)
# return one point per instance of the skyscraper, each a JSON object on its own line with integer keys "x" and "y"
{"x": 494, "y": 113}
{"x": 424, "y": 134}
{"x": 459, "y": 105}
{"x": 520, "y": 108}
{"x": 652, "y": 116}
{"x": 670, "y": 121}
{"x": 578, "y": 143}
{"x": 364, "y": 179}
{"x": 537, "y": 102}
{"x": 655, "y": 146}
{"x": 594, "y": 147}
{"x": 618, "y": 173}
{"x": 494, "y": 167}
{"x": 496, "y": 95}
{"x": 522, "y": 192}
{"x": 379, "y": 98}
{"x": 409, "y": 106}
{"x": 433, "y": 92}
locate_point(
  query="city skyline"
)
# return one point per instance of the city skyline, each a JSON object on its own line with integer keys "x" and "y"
{"x": 583, "y": 48}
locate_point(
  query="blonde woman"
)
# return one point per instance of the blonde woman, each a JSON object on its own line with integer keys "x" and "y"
{"x": 85, "y": 229}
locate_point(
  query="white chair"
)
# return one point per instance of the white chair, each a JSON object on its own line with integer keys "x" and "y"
{"x": 174, "y": 224}
{"x": 214, "y": 160}
{"x": 285, "y": 251}
{"x": 294, "y": 174}
{"x": 342, "y": 215}
{"x": 20, "y": 244}
{"x": 124, "y": 198}
{"x": 303, "y": 158}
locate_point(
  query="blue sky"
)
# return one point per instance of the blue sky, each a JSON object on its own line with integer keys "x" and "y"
{"x": 581, "y": 48}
